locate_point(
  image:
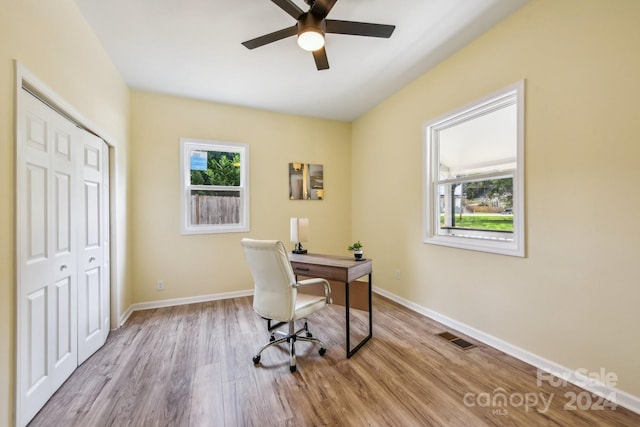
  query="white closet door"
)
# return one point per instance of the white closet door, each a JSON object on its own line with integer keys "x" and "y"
{"x": 62, "y": 246}
{"x": 46, "y": 252}
{"x": 93, "y": 290}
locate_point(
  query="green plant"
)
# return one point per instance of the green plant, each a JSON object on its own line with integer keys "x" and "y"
{"x": 357, "y": 246}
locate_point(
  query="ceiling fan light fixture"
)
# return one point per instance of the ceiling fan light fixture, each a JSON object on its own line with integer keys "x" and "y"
{"x": 311, "y": 27}
{"x": 311, "y": 39}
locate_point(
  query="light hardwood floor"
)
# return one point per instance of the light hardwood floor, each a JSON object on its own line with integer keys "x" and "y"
{"x": 191, "y": 366}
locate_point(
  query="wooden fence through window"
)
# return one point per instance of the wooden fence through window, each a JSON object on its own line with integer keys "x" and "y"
{"x": 215, "y": 209}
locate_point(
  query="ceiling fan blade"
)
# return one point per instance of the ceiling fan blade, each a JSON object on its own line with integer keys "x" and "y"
{"x": 290, "y": 7}
{"x": 271, "y": 37}
{"x": 322, "y": 8}
{"x": 320, "y": 56}
{"x": 359, "y": 28}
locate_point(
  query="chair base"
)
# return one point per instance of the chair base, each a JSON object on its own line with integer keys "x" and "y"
{"x": 291, "y": 337}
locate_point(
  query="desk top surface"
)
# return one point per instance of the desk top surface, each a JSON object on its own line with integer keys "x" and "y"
{"x": 329, "y": 260}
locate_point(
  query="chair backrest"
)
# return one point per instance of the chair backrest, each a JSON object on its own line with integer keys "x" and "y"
{"x": 274, "y": 294}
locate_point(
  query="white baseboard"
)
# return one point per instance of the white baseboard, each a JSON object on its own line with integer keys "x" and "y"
{"x": 619, "y": 397}
{"x": 180, "y": 301}
{"x": 125, "y": 316}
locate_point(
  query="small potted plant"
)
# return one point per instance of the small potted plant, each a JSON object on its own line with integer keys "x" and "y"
{"x": 356, "y": 248}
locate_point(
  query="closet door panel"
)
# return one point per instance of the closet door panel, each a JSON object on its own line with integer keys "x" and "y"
{"x": 63, "y": 328}
{"x": 62, "y": 188}
{"x": 91, "y": 300}
{"x": 38, "y": 365}
{"x": 92, "y": 291}
{"x": 35, "y": 248}
{"x": 65, "y": 137}
{"x": 34, "y": 194}
{"x": 46, "y": 192}
{"x": 63, "y": 331}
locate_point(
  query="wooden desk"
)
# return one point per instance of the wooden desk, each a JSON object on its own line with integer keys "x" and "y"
{"x": 342, "y": 269}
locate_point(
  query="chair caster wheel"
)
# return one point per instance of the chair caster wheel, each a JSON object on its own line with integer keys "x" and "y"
{"x": 309, "y": 335}
{"x": 322, "y": 351}
{"x": 256, "y": 359}
{"x": 292, "y": 368}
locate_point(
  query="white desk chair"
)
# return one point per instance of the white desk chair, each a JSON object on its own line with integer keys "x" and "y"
{"x": 276, "y": 296}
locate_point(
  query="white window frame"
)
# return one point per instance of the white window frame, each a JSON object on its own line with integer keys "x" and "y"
{"x": 477, "y": 240}
{"x": 186, "y": 146}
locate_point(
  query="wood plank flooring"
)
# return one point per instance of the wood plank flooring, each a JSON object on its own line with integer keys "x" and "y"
{"x": 191, "y": 366}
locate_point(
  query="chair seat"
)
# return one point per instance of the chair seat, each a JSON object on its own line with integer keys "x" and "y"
{"x": 307, "y": 304}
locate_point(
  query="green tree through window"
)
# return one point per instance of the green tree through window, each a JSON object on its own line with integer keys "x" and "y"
{"x": 492, "y": 192}
{"x": 222, "y": 169}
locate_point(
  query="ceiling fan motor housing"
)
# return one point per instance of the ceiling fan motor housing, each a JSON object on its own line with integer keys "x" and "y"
{"x": 310, "y": 22}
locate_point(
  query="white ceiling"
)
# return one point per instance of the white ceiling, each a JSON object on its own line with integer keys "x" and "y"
{"x": 191, "y": 48}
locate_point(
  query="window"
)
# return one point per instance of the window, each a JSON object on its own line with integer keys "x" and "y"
{"x": 215, "y": 186}
{"x": 474, "y": 180}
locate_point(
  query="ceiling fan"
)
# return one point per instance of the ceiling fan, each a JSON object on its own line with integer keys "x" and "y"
{"x": 312, "y": 26}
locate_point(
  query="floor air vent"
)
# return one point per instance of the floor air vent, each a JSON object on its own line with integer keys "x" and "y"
{"x": 463, "y": 344}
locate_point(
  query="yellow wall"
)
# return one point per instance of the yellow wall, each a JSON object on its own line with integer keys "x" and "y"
{"x": 574, "y": 298}
{"x": 52, "y": 40}
{"x": 195, "y": 265}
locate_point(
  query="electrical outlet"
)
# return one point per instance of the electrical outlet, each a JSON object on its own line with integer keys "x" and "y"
{"x": 397, "y": 274}
{"x": 160, "y": 285}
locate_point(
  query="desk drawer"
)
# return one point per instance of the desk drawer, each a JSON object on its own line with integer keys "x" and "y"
{"x": 358, "y": 293}
{"x": 323, "y": 271}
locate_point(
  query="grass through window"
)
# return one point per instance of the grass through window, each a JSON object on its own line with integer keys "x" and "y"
{"x": 483, "y": 222}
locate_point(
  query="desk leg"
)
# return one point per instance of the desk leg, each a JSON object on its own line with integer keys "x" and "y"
{"x": 347, "y": 326}
{"x": 348, "y": 329}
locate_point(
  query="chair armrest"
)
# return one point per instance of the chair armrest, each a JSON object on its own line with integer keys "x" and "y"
{"x": 315, "y": 281}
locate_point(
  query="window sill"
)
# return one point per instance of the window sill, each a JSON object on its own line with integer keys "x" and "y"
{"x": 476, "y": 243}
